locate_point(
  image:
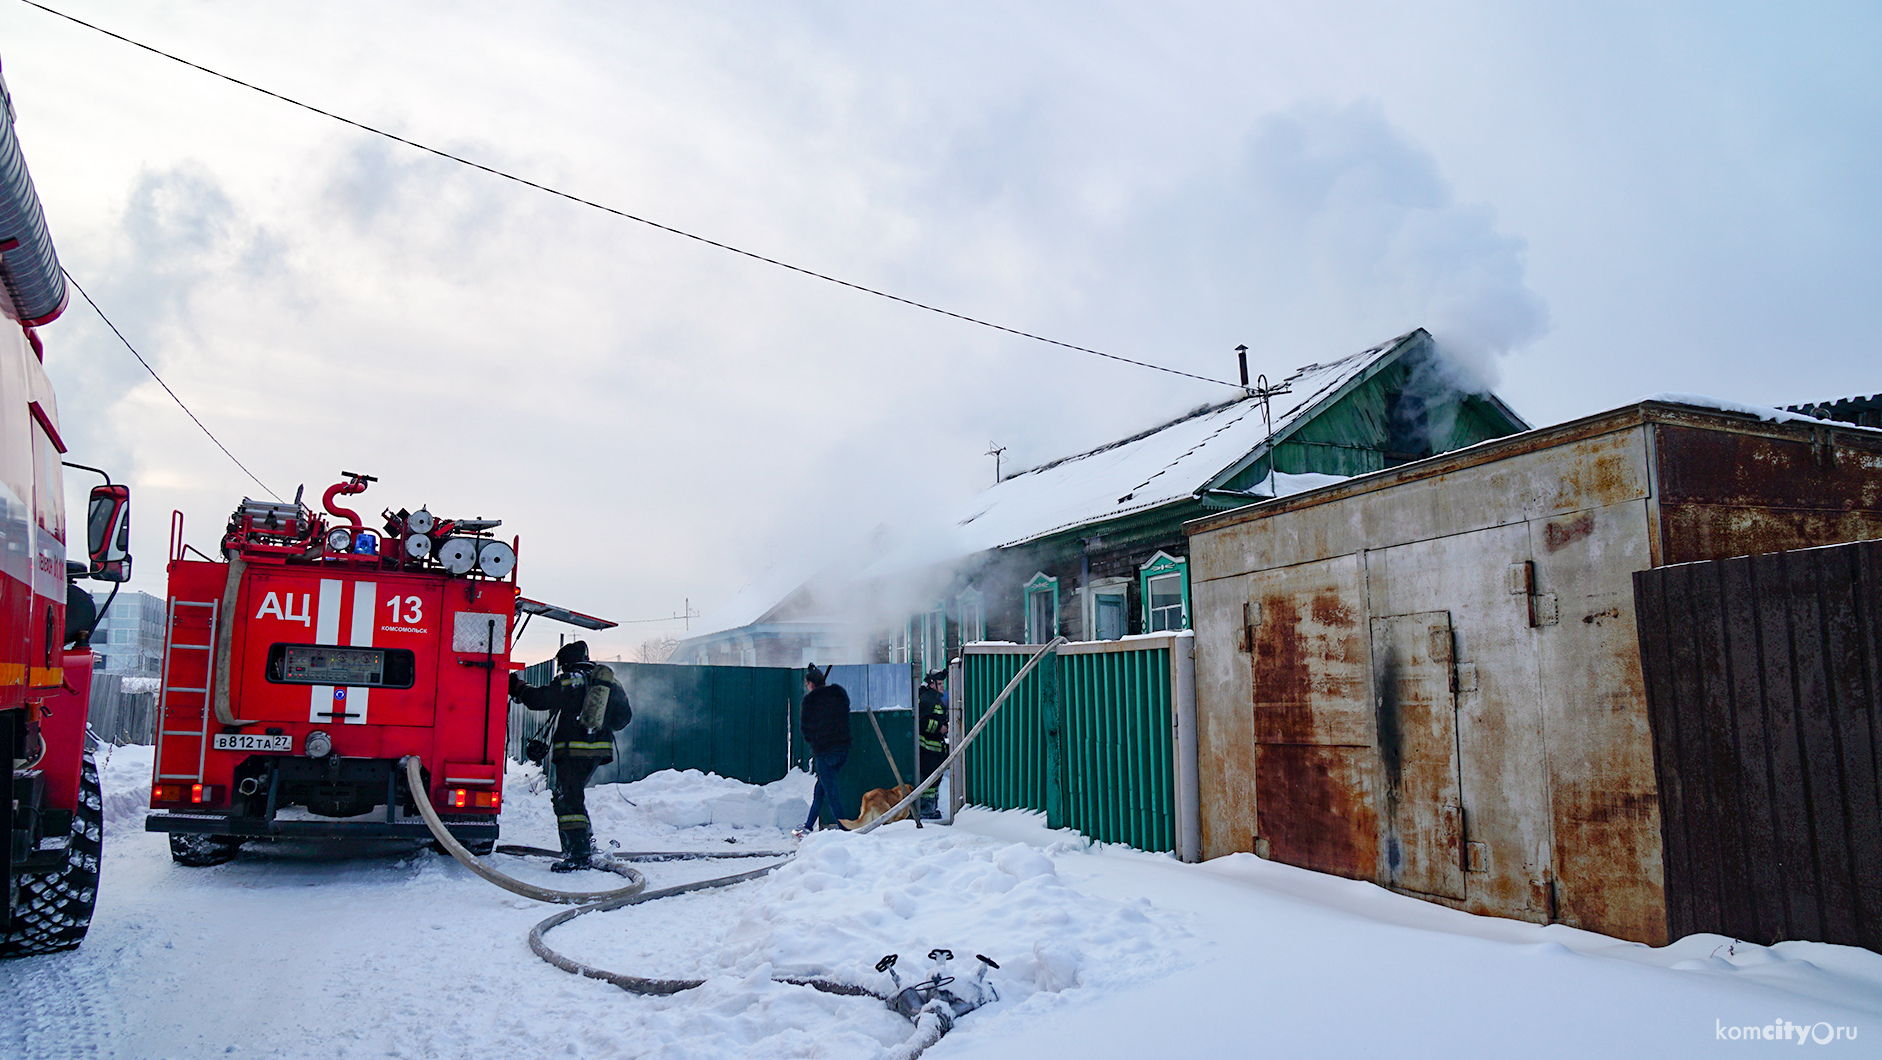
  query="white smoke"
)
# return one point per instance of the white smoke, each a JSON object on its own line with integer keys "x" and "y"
{"x": 1329, "y": 231}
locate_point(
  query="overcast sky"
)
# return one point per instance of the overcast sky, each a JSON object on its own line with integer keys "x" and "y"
{"x": 1589, "y": 203}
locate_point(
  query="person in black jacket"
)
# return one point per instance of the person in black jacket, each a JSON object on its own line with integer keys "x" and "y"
{"x": 826, "y": 723}
{"x": 574, "y": 750}
{"x": 931, "y": 735}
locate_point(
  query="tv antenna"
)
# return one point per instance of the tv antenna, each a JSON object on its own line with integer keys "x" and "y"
{"x": 994, "y": 451}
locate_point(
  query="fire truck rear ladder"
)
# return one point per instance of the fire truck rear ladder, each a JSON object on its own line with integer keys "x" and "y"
{"x": 171, "y": 647}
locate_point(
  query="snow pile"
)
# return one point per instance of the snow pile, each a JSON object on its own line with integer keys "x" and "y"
{"x": 124, "y": 775}
{"x": 1283, "y": 484}
{"x": 848, "y": 900}
{"x": 688, "y": 798}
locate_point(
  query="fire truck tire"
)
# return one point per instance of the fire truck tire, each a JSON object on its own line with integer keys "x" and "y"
{"x": 481, "y": 848}
{"x": 200, "y": 851}
{"x": 54, "y": 908}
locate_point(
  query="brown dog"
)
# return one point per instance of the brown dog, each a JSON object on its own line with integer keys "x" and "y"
{"x": 877, "y": 802}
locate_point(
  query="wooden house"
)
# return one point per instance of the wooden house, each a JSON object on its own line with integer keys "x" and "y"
{"x": 1091, "y": 546}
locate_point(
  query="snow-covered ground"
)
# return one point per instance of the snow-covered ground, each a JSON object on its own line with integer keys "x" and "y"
{"x": 387, "y": 950}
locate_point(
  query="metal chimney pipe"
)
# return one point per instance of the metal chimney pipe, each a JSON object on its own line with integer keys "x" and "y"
{"x": 1241, "y": 356}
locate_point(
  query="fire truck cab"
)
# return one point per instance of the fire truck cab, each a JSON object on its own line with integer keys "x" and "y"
{"x": 315, "y": 656}
{"x": 51, "y": 825}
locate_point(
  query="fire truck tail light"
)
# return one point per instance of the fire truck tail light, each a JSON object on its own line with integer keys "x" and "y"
{"x": 192, "y": 793}
{"x": 467, "y": 799}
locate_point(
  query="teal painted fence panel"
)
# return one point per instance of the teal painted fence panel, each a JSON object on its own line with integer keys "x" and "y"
{"x": 1106, "y": 768}
{"x": 731, "y": 720}
{"x": 742, "y": 722}
{"x": 1006, "y": 764}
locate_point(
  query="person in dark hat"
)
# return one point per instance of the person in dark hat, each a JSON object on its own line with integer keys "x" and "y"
{"x": 825, "y": 719}
{"x": 574, "y": 750}
{"x": 931, "y": 735}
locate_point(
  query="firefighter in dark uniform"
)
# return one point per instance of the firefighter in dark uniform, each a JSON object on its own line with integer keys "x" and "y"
{"x": 931, "y": 734}
{"x": 574, "y": 751}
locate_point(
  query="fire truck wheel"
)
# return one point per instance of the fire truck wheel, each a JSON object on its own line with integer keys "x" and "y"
{"x": 198, "y": 851}
{"x": 480, "y": 848}
{"x": 54, "y": 908}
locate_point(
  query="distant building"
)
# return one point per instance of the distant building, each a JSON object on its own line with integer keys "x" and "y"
{"x": 130, "y": 636}
{"x": 1091, "y": 546}
{"x": 1861, "y": 411}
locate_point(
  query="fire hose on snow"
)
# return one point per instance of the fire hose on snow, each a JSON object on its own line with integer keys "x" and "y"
{"x": 929, "y": 1004}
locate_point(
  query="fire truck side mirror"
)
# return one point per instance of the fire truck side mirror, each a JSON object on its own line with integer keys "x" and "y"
{"x": 108, "y": 532}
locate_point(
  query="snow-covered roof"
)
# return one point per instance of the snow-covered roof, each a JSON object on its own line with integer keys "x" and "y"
{"x": 1167, "y": 463}
{"x": 1763, "y": 412}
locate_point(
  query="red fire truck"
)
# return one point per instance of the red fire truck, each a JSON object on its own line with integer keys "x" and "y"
{"x": 52, "y": 837}
{"x": 318, "y": 654}
{"x": 302, "y": 667}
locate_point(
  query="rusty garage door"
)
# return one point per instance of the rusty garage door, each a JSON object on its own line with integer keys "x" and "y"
{"x": 1764, "y": 687}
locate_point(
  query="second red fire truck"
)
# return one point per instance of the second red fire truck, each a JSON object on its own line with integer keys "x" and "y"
{"x": 303, "y": 666}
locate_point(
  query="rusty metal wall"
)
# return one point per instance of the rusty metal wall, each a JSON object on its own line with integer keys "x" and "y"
{"x": 1741, "y": 493}
{"x": 1437, "y": 677}
{"x": 1765, "y": 694}
{"x": 1317, "y": 712}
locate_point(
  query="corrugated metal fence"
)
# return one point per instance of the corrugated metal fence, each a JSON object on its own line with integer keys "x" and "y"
{"x": 741, "y": 722}
{"x": 1100, "y": 737}
{"x": 729, "y": 720}
{"x": 1764, "y": 689}
{"x": 118, "y": 716}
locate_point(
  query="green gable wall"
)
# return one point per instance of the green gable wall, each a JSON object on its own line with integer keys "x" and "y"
{"x": 1367, "y": 429}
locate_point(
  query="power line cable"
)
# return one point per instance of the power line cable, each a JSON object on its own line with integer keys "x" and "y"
{"x": 164, "y": 385}
{"x": 526, "y": 182}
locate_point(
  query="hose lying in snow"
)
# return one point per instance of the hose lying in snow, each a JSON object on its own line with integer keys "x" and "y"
{"x": 635, "y": 984}
{"x": 415, "y": 782}
{"x": 929, "y": 1026}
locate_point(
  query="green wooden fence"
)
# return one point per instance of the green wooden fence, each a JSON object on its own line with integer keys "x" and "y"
{"x": 1100, "y": 738}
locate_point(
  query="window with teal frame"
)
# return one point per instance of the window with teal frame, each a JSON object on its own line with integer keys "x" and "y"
{"x": 932, "y": 627}
{"x": 1042, "y": 609}
{"x": 973, "y": 616}
{"x": 1165, "y": 584}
